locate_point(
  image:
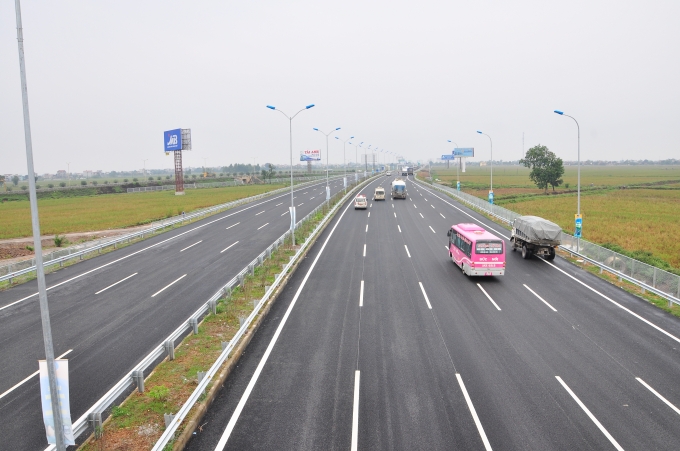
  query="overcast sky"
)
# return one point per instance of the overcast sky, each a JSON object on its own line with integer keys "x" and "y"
{"x": 106, "y": 78}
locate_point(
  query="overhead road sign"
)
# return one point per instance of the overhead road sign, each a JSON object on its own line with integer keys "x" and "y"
{"x": 464, "y": 152}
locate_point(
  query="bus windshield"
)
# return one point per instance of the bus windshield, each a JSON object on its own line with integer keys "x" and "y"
{"x": 489, "y": 247}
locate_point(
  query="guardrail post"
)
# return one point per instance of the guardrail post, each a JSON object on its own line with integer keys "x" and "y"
{"x": 170, "y": 349}
{"x": 240, "y": 279}
{"x": 224, "y": 345}
{"x": 193, "y": 322}
{"x": 241, "y": 320}
{"x": 95, "y": 421}
{"x": 138, "y": 379}
{"x": 255, "y": 302}
{"x": 200, "y": 375}
{"x": 213, "y": 307}
{"x": 654, "y": 278}
{"x": 251, "y": 269}
{"x": 168, "y": 417}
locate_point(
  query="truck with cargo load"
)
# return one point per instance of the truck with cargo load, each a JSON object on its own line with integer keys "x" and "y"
{"x": 534, "y": 235}
{"x": 398, "y": 189}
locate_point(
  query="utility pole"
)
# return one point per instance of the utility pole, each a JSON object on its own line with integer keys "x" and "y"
{"x": 55, "y": 400}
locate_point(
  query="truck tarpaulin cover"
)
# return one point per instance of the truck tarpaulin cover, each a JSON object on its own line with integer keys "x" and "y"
{"x": 538, "y": 229}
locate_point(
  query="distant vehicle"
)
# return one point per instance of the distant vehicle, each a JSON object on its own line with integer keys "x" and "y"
{"x": 409, "y": 171}
{"x": 398, "y": 189}
{"x": 360, "y": 202}
{"x": 476, "y": 251}
{"x": 534, "y": 235}
{"x": 379, "y": 193}
{"x": 404, "y": 171}
{"x": 388, "y": 173}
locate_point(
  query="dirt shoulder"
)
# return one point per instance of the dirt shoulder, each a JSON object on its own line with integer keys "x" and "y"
{"x": 17, "y": 249}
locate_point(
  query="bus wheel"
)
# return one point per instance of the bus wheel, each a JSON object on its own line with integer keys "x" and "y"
{"x": 525, "y": 252}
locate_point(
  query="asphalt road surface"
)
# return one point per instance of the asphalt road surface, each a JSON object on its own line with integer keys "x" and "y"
{"x": 380, "y": 342}
{"x": 109, "y": 312}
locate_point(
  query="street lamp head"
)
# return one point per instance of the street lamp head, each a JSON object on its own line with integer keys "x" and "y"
{"x": 316, "y": 129}
{"x": 559, "y": 112}
{"x": 448, "y": 140}
{"x": 480, "y": 132}
{"x": 271, "y": 107}
{"x": 351, "y": 137}
{"x": 337, "y": 137}
{"x": 337, "y": 128}
{"x": 309, "y": 106}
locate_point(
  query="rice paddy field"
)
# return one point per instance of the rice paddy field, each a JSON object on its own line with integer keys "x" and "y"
{"x": 635, "y": 207}
{"x": 113, "y": 211}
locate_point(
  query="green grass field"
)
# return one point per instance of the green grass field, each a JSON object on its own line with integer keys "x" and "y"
{"x": 645, "y": 218}
{"x": 113, "y": 211}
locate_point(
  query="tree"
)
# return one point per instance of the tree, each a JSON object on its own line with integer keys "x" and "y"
{"x": 270, "y": 171}
{"x": 546, "y": 168}
{"x": 15, "y": 180}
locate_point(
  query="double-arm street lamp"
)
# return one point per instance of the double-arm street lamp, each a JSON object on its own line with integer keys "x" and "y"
{"x": 344, "y": 160}
{"x": 491, "y": 189}
{"x": 578, "y": 182}
{"x": 290, "y": 128}
{"x": 328, "y": 189}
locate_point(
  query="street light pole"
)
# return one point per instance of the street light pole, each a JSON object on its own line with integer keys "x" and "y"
{"x": 344, "y": 160}
{"x": 144, "y": 167}
{"x": 328, "y": 189}
{"x": 55, "y": 400}
{"x": 68, "y": 168}
{"x": 290, "y": 129}
{"x": 578, "y": 179}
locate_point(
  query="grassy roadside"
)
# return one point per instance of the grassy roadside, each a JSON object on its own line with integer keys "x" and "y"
{"x": 138, "y": 422}
{"x": 652, "y": 298}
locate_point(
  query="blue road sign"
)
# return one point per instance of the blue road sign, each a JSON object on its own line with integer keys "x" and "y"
{"x": 464, "y": 152}
{"x": 491, "y": 197}
{"x": 579, "y": 225}
{"x": 172, "y": 140}
{"x": 458, "y": 186}
{"x": 448, "y": 157}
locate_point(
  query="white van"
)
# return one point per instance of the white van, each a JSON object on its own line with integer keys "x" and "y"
{"x": 379, "y": 193}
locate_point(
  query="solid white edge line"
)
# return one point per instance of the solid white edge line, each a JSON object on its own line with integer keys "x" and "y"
{"x": 544, "y": 301}
{"x": 658, "y": 395}
{"x": 167, "y": 286}
{"x": 233, "y": 225}
{"x": 425, "y": 294}
{"x": 364, "y": 250}
{"x": 257, "y": 214}
{"x": 361, "y": 295}
{"x": 229, "y": 247}
{"x": 487, "y": 295}
{"x": 263, "y": 226}
{"x": 253, "y": 380}
{"x": 399, "y": 228}
{"x": 113, "y": 285}
{"x": 355, "y": 412}
{"x": 407, "y": 252}
{"x": 478, "y": 423}
{"x": 590, "y": 415}
{"x": 191, "y": 246}
{"x": 7, "y": 392}
{"x": 615, "y": 303}
{"x": 432, "y": 229}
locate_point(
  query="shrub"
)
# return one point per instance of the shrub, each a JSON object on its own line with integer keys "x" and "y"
{"x": 30, "y": 248}
{"x": 9, "y": 188}
{"x": 115, "y": 180}
{"x": 24, "y": 187}
{"x": 125, "y": 180}
{"x": 150, "y": 178}
{"x": 566, "y": 185}
{"x": 134, "y": 179}
{"x": 94, "y": 182}
{"x": 167, "y": 177}
{"x": 62, "y": 184}
{"x": 59, "y": 240}
{"x": 37, "y": 186}
{"x": 158, "y": 178}
{"x": 159, "y": 392}
{"x": 83, "y": 182}
{"x": 106, "y": 182}
{"x": 50, "y": 185}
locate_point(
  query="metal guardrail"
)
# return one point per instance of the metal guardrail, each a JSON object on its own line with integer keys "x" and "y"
{"x": 647, "y": 277}
{"x": 93, "y": 415}
{"x": 60, "y": 256}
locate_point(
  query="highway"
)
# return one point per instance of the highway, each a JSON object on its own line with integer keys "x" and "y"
{"x": 380, "y": 342}
{"x": 110, "y": 311}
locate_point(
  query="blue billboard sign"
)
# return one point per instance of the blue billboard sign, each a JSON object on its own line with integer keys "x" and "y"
{"x": 448, "y": 157}
{"x": 464, "y": 152}
{"x": 579, "y": 224}
{"x": 172, "y": 140}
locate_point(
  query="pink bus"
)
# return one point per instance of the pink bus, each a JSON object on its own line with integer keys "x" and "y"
{"x": 476, "y": 251}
